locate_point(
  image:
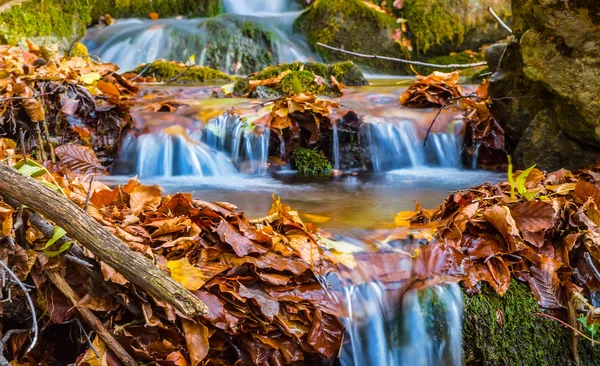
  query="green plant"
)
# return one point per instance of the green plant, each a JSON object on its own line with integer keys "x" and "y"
{"x": 312, "y": 162}
{"x": 592, "y": 328}
{"x": 520, "y": 186}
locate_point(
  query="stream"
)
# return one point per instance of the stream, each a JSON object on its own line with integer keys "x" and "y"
{"x": 205, "y": 149}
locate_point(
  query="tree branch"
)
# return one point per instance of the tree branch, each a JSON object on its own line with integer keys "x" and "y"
{"x": 106, "y": 247}
{"x": 499, "y": 20}
{"x": 417, "y": 63}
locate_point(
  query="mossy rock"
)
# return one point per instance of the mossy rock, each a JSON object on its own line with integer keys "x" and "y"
{"x": 504, "y": 330}
{"x": 47, "y": 22}
{"x": 310, "y": 162}
{"x": 304, "y": 74}
{"x": 165, "y": 71}
{"x": 439, "y": 27}
{"x": 352, "y": 25}
{"x": 164, "y": 8}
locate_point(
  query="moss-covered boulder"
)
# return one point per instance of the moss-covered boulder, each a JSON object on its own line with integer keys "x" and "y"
{"x": 552, "y": 63}
{"x": 310, "y": 162}
{"x": 352, "y": 25}
{"x": 179, "y": 73}
{"x": 164, "y": 8}
{"x": 311, "y": 77}
{"x": 504, "y": 330}
{"x": 47, "y": 22}
{"x": 439, "y": 27}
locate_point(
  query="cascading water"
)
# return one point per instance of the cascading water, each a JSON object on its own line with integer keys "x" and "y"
{"x": 247, "y": 144}
{"x": 396, "y": 144}
{"x": 167, "y": 154}
{"x": 226, "y": 42}
{"x": 336, "y": 147}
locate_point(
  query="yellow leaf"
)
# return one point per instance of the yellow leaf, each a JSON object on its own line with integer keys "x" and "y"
{"x": 317, "y": 219}
{"x": 187, "y": 275}
{"x": 90, "y": 78}
{"x": 402, "y": 219}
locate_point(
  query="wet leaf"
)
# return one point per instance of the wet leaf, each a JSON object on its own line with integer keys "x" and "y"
{"x": 196, "y": 339}
{"x": 34, "y": 110}
{"x": 533, "y": 216}
{"x": 80, "y": 159}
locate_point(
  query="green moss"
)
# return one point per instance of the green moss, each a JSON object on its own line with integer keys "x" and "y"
{"x": 50, "y": 20}
{"x": 524, "y": 338}
{"x": 311, "y": 162}
{"x": 435, "y": 22}
{"x": 345, "y": 72}
{"x": 354, "y": 26}
{"x": 164, "y": 8}
{"x": 163, "y": 70}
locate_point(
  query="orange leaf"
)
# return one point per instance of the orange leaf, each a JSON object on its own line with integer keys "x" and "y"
{"x": 153, "y": 16}
{"x": 144, "y": 198}
{"x": 79, "y": 159}
{"x": 108, "y": 89}
{"x": 196, "y": 340}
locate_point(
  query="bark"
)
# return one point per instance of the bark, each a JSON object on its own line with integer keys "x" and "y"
{"x": 105, "y": 246}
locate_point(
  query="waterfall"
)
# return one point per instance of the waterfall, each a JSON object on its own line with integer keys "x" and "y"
{"x": 247, "y": 144}
{"x": 166, "y": 154}
{"x": 336, "y": 148}
{"x": 221, "y": 42}
{"x": 247, "y": 7}
{"x": 397, "y": 144}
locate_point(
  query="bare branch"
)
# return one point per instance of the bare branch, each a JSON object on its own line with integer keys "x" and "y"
{"x": 499, "y": 20}
{"x": 417, "y": 63}
{"x": 34, "y": 326}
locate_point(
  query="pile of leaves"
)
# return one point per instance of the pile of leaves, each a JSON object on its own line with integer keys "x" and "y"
{"x": 542, "y": 229}
{"x": 262, "y": 281}
{"x": 484, "y": 134}
{"x": 55, "y": 100}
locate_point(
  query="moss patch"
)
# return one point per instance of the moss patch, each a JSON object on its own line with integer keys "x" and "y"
{"x": 524, "y": 338}
{"x": 310, "y": 162}
{"x": 164, "y": 8}
{"x": 45, "y": 22}
{"x": 165, "y": 71}
{"x": 354, "y": 26}
{"x": 304, "y": 72}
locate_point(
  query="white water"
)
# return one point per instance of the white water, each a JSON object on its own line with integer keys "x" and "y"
{"x": 247, "y": 7}
{"x": 167, "y": 155}
{"x": 396, "y": 144}
{"x": 336, "y": 148}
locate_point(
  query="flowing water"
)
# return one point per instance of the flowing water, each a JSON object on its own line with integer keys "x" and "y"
{"x": 208, "y": 150}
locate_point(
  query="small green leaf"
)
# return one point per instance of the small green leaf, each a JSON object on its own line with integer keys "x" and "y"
{"x": 63, "y": 248}
{"x": 296, "y": 86}
{"x": 510, "y": 178}
{"x": 90, "y": 78}
{"x": 59, "y": 232}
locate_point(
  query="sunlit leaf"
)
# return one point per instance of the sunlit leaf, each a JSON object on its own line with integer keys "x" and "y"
{"x": 187, "y": 275}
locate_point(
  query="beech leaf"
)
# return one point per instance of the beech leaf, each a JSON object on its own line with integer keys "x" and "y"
{"x": 80, "y": 159}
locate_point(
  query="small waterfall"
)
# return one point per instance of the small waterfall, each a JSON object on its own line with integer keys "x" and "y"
{"x": 166, "y": 154}
{"x": 425, "y": 329}
{"x": 247, "y": 7}
{"x": 247, "y": 144}
{"x": 336, "y": 148}
{"x": 397, "y": 144}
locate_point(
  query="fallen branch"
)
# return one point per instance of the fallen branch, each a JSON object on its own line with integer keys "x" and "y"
{"x": 92, "y": 320}
{"x": 417, "y": 63}
{"x": 499, "y": 20}
{"x": 568, "y": 326}
{"x": 34, "y": 326}
{"x": 106, "y": 247}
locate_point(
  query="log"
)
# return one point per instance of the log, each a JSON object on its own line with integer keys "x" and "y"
{"x": 106, "y": 247}
{"x": 92, "y": 320}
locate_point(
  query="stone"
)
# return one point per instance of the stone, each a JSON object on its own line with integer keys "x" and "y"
{"x": 494, "y": 53}
{"x": 544, "y": 144}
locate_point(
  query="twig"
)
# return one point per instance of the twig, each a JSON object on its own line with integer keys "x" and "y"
{"x": 180, "y": 74}
{"x": 89, "y": 194}
{"x": 569, "y": 326}
{"x": 87, "y": 337}
{"x": 41, "y": 150}
{"x": 23, "y": 148}
{"x": 444, "y": 106}
{"x": 499, "y": 20}
{"x": 141, "y": 72}
{"x": 588, "y": 260}
{"x": 418, "y": 63}
{"x": 92, "y": 320}
{"x": 47, "y": 136}
{"x": 34, "y": 326}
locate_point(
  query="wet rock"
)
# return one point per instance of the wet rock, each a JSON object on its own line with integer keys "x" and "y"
{"x": 552, "y": 63}
{"x": 553, "y": 148}
{"x": 263, "y": 92}
{"x": 352, "y": 25}
{"x": 494, "y": 53}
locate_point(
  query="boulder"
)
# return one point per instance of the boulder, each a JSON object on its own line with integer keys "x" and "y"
{"x": 49, "y": 22}
{"x": 553, "y": 64}
{"x": 166, "y": 71}
{"x": 352, "y": 25}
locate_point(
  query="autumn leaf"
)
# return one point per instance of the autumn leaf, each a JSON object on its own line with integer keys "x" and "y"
{"x": 90, "y": 78}
{"x": 153, "y": 16}
{"x": 80, "y": 159}
{"x": 143, "y": 198}
{"x": 196, "y": 339}
{"x": 34, "y": 110}
{"x": 533, "y": 216}
{"x": 108, "y": 89}
{"x": 188, "y": 276}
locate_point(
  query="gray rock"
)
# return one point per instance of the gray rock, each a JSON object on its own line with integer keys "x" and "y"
{"x": 544, "y": 143}
{"x": 493, "y": 55}
{"x": 263, "y": 92}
